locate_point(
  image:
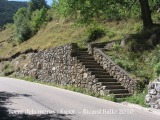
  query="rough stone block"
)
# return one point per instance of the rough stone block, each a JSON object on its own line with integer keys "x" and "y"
{"x": 153, "y": 96}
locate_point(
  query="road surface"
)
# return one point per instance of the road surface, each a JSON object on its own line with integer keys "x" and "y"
{"x": 26, "y": 100}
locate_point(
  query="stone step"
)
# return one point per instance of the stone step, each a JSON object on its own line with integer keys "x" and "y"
{"x": 114, "y": 87}
{"x": 99, "y": 73}
{"x": 96, "y": 69}
{"x": 106, "y": 79}
{"x": 83, "y": 53}
{"x": 83, "y": 49}
{"x": 92, "y": 65}
{"x": 122, "y": 95}
{"x": 86, "y": 55}
{"x": 107, "y": 75}
{"x": 118, "y": 91}
{"x": 89, "y": 62}
{"x": 109, "y": 83}
{"x": 85, "y": 58}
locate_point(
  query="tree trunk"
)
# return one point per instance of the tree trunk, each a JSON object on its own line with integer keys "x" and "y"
{"x": 146, "y": 14}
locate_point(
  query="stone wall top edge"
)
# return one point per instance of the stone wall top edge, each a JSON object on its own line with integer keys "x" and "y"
{"x": 102, "y": 43}
{"x": 108, "y": 58}
{"x": 58, "y": 47}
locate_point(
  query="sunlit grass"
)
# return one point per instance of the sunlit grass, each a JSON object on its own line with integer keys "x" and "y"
{"x": 56, "y": 34}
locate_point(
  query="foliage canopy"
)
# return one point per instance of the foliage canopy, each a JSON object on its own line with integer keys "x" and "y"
{"x": 29, "y": 20}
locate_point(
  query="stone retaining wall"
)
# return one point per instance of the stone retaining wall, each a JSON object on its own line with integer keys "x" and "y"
{"x": 153, "y": 96}
{"x": 60, "y": 66}
{"x": 52, "y": 65}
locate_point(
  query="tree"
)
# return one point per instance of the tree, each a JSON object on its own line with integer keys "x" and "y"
{"x": 21, "y": 21}
{"x": 86, "y": 10}
{"x": 146, "y": 14}
{"x": 38, "y": 18}
{"x": 37, "y": 5}
{"x": 29, "y": 20}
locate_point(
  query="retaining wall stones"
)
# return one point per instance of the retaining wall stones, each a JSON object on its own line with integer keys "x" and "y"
{"x": 153, "y": 96}
{"x": 52, "y": 65}
{"x": 60, "y": 66}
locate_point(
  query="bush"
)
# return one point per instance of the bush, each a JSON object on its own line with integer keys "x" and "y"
{"x": 21, "y": 21}
{"x": 7, "y": 69}
{"x": 141, "y": 85}
{"x": 39, "y": 17}
{"x": 95, "y": 33}
{"x": 24, "y": 32}
{"x": 157, "y": 69}
{"x": 29, "y": 20}
{"x": 116, "y": 47}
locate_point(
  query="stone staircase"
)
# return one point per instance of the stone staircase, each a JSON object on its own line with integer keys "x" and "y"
{"x": 101, "y": 75}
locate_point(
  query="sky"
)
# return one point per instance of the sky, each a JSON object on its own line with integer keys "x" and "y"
{"x": 48, "y": 1}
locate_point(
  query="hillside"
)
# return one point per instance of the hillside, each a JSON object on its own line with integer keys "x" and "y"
{"x": 8, "y": 9}
{"x": 60, "y": 33}
{"x": 57, "y": 33}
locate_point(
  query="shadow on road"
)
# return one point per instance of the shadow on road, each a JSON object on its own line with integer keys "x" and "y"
{"x": 4, "y": 112}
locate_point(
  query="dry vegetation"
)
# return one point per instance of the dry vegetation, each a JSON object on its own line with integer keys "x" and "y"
{"x": 52, "y": 35}
{"x": 59, "y": 33}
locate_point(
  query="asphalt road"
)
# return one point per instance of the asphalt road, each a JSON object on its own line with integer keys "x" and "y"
{"x": 26, "y": 100}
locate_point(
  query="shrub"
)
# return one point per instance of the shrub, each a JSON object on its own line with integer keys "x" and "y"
{"x": 140, "y": 86}
{"x": 157, "y": 69}
{"x": 21, "y": 21}
{"x": 7, "y": 69}
{"x": 39, "y": 17}
{"x": 116, "y": 47}
{"x": 95, "y": 33}
{"x": 24, "y": 32}
{"x": 29, "y": 20}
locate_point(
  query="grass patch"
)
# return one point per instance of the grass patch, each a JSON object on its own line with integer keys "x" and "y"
{"x": 27, "y": 78}
{"x": 138, "y": 98}
{"x": 141, "y": 65}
